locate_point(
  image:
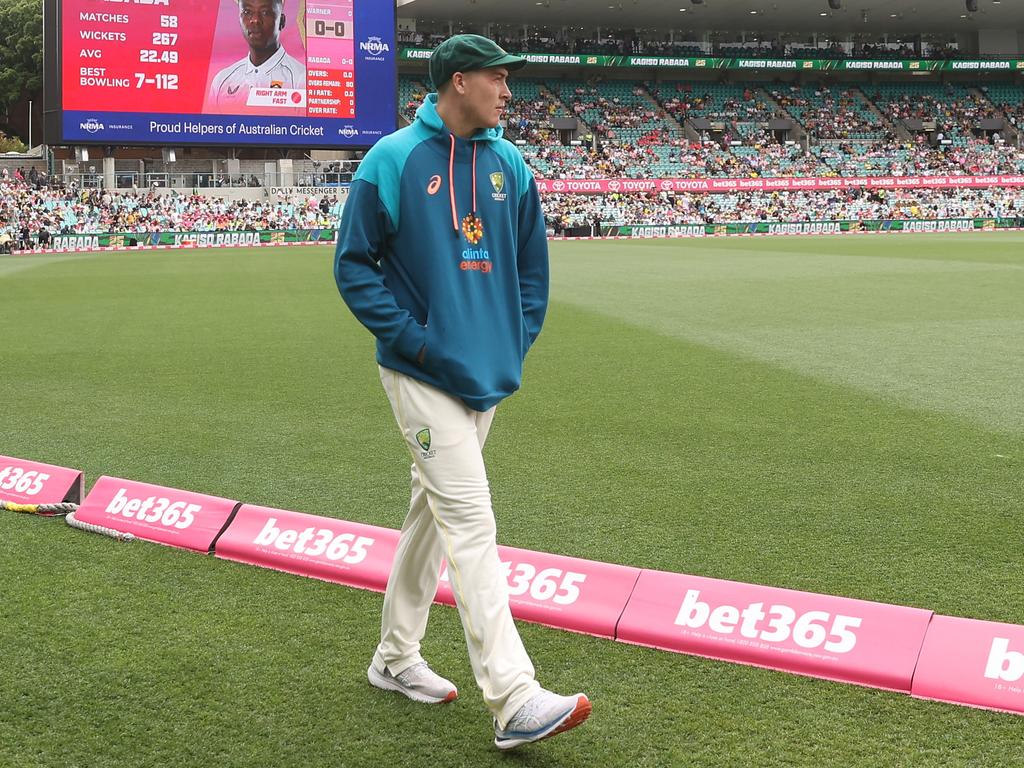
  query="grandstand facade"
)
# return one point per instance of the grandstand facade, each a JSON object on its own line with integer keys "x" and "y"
{"x": 797, "y": 114}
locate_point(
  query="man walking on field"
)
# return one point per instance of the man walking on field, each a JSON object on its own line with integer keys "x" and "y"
{"x": 442, "y": 255}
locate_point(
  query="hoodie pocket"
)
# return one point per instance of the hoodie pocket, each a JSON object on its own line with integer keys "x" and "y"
{"x": 431, "y": 348}
{"x": 443, "y": 360}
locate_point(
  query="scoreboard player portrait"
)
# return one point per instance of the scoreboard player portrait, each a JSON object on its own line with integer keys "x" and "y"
{"x": 267, "y": 79}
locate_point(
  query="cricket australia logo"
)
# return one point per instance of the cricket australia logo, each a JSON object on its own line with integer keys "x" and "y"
{"x": 423, "y": 440}
{"x": 498, "y": 182}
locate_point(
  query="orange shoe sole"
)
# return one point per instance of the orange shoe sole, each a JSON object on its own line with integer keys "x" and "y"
{"x": 578, "y": 716}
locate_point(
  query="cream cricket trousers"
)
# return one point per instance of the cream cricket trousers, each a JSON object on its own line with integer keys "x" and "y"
{"x": 451, "y": 518}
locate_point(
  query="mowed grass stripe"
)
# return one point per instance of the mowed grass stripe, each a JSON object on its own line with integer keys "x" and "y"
{"x": 932, "y": 322}
{"x": 239, "y": 373}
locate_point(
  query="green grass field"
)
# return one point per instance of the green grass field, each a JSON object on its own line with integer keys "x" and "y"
{"x": 839, "y": 415}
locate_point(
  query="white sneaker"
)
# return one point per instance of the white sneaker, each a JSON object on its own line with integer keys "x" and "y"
{"x": 419, "y": 682}
{"x": 546, "y": 714}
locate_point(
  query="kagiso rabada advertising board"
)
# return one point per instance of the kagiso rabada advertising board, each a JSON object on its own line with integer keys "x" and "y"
{"x": 281, "y": 72}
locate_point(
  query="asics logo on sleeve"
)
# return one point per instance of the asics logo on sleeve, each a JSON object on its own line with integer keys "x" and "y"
{"x": 434, "y": 184}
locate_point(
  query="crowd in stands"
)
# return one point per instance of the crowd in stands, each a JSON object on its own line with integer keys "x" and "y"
{"x": 619, "y": 46}
{"x": 568, "y": 211}
{"x": 954, "y": 108}
{"x": 765, "y": 157}
{"x": 32, "y": 214}
{"x": 612, "y": 117}
{"x": 828, "y": 113}
{"x": 632, "y": 129}
{"x": 683, "y": 100}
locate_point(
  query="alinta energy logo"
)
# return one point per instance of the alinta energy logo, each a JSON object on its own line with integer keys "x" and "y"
{"x": 473, "y": 229}
{"x": 474, "y": 259}
{"x": 375, "y": 48}
{"x": 92, "y": 125}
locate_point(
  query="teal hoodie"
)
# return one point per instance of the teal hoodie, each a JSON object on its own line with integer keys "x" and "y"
{"x": 442, "y": 247}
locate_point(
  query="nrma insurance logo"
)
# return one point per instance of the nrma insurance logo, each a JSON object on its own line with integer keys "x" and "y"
{"x": 92, "y": 125}
{"x": 375, "y": 48}
{"x": 348, "y": 131}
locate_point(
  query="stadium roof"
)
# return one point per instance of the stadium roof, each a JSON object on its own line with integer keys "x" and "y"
{"x": 875, "y": 16}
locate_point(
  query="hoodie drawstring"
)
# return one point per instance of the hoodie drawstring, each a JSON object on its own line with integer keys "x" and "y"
{"x": 451, "y": 184}
{"x": 474, "y": 179}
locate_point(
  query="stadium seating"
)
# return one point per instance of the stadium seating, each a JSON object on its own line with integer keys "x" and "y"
{"x": 740, "y": 105}
{"x": 89, "y": 211}
{"x": 411, "y": 92}
{"x": 831, "y": 112}
{"x": 955, "y": 108}
{"x": 621, "y": 111}
{"x": 564, "y": 211}
{"x": 640, "y": 129}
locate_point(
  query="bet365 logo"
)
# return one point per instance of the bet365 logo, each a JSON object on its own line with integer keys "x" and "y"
{"x": 1004, "y": 664}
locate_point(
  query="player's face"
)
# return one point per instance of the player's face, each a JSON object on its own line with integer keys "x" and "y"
{"x": 486, "y": 95}
{"x": 262, "y": 22}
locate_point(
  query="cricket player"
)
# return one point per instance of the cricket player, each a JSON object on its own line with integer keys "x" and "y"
{"x": 267, "y": 65}
{"x": 442, "y": 255}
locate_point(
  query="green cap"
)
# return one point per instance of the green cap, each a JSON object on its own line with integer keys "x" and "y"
{"x": 464, "y": 53}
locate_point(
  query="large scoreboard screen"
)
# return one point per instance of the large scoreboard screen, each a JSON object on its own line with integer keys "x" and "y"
{"x": 233, "y": 72}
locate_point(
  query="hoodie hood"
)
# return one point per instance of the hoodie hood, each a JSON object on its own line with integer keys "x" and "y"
{"x": 427, "y": 114}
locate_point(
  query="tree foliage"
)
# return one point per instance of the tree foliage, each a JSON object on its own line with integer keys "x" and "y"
{"x": 21, "y": 49}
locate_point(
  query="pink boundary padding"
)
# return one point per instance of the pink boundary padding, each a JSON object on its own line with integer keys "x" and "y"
{"x": 168, "y": 515}
{"x": 324, "y": 548}
{"x": 976, "y": 663}
{"x": 62, "y": 484}
{"x": 852, "y": 641}
{"x": 955, "y": 660}
{"x": 559, "y": 591}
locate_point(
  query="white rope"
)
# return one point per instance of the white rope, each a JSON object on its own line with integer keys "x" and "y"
{"x": 102, "y": 530}
{"x": 67, "y": 509}
{"x": 39, "y": 509}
